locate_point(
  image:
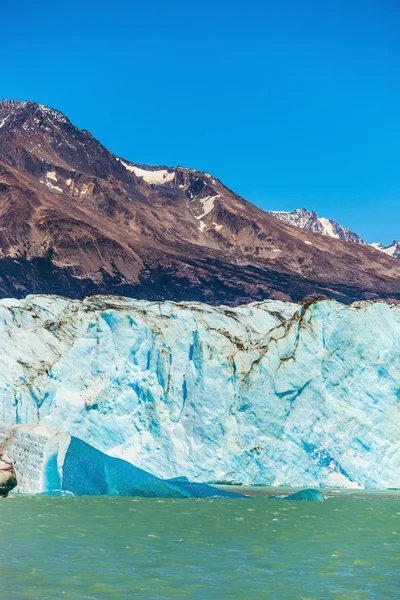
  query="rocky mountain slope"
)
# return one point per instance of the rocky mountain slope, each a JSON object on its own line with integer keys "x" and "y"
{"x": 269, "y": 393}
{"x": 77, "y": 220}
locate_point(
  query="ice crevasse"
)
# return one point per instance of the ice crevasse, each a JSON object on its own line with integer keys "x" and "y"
{"x": 270, "y": 393}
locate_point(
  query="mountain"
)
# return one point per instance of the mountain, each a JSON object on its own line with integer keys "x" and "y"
{"x": 77, "y": 220}
{"x": 309, "y": 220}
{"x": 392, "y": 249}
{"x": 270, "y": 393}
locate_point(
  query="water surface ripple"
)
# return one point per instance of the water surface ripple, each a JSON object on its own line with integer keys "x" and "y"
{"x": 104, "y": 548}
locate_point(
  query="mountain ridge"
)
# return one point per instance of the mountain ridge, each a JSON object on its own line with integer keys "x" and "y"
{"x": 75, "y": 220}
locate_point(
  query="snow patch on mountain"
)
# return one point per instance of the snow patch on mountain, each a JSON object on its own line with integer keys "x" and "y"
{"x": 208, "y": 205}
{"x": 328, "y": 227}
{"x": 55, "y": 188}
{"x": 52, "y": 175}
{"x": 3, "y": 121}
{"x": 156, "y": 177}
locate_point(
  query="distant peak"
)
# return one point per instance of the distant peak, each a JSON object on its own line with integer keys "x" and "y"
{"x": 309, "y": 220}
{"x": 392, "y": 249}
{"x": 5, "y": 103}
{"x": 17, "y": 108}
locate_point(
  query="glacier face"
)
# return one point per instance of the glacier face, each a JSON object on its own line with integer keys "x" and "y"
{"x": 270, "y": 393}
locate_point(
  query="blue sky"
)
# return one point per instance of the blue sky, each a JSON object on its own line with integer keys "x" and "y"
{"x": 291, "y": 104}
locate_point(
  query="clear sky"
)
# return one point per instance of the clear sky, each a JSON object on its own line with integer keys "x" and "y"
{"x": 290, "y": 103}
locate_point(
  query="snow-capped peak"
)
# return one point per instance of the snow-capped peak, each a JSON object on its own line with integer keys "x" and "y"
{"x": 310, "y": 221}
{"x": 392, "y": 249}
{"x": 12, "y": 109}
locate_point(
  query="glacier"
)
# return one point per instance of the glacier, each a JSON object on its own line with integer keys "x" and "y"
{"x": 270, "y": 393}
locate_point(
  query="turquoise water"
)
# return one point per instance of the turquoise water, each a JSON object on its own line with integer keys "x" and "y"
{"x": 121, "y": 548}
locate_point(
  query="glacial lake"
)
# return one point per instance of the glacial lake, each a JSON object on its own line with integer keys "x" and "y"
{"x": 347, "y": 547}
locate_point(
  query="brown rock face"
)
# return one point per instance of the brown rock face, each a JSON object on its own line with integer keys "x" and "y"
{"x": 77, "y": 220}
{"x": 8, "y": 478}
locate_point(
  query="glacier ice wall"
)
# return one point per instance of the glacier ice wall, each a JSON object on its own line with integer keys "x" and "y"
{"x": 269, "y": 393}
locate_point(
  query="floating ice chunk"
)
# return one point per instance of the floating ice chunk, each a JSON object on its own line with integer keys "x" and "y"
{"x": 315, "y": 495}
{"x": 53, "y": 463}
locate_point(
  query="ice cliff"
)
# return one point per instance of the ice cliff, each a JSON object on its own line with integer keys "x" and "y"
{"x": 269, "y": 393}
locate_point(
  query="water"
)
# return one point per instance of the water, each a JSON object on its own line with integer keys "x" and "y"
{"x": 104, "y": 548}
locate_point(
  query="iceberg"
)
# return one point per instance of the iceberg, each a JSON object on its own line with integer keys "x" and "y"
{"x": 51, "y": 463}
{"x": 270, "y": 393}
{"x": 303, "y": 495}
